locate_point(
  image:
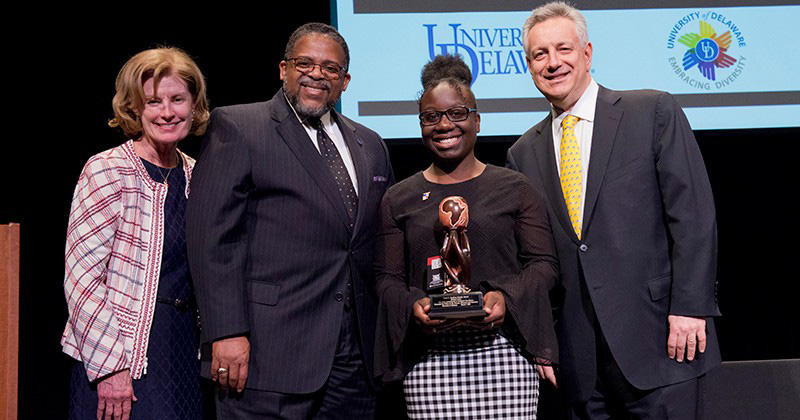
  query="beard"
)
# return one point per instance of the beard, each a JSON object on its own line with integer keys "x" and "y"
{"x": 305, "y": 111}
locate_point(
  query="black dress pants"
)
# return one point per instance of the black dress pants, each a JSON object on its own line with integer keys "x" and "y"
{"x": 346, "y": 394}
{"x": 616, "y": 398}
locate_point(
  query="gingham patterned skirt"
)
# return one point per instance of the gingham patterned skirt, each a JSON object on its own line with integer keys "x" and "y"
{"x": 472, "y": 376}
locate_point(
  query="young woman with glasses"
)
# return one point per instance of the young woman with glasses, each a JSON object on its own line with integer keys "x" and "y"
{"x": 485, "y": 366}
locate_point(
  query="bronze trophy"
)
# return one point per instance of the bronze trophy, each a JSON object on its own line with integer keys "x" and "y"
{"x": 456, "y": 300}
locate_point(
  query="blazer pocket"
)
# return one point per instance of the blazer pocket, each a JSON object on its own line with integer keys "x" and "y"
{"x": 625, "y": 169}
{"x": 379, "y": 182}
{"x": 659, "y": 287}
{"x": 263, "y": 292}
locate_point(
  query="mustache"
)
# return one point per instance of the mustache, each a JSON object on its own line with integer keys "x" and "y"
{"x": 319, "y": 84}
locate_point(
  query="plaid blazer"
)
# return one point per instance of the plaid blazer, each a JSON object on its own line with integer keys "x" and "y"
{"x": 113, "y": 260}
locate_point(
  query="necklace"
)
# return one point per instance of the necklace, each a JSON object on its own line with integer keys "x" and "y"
{"x": 165, "y": 178}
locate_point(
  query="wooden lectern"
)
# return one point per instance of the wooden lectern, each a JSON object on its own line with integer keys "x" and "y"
{"x": 9, "y": 319}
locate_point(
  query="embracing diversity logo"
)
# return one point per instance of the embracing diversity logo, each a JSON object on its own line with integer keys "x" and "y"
{"x": 708, "y": 50}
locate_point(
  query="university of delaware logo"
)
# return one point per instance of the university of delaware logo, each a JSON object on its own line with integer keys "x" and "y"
{"x": 707, "y": 50}
{"x": 489, "y": 51}
{"x": 709, "y": 62}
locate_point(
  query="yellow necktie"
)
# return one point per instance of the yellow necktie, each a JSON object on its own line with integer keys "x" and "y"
{"x": 571, "y": 171}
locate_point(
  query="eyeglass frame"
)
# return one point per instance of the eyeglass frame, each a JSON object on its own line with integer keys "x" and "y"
{"x": 444, "y": 113}
{"x": 335, "y": 76}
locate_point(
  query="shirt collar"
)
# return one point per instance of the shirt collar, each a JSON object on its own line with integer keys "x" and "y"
{"x": 584, "y": 108}
{"x": 325, "y": 118}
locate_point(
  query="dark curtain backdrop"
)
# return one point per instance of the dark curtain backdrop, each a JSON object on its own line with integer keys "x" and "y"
{"x": 59, "y": 73}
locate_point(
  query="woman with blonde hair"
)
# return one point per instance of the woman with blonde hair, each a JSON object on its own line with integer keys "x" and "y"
{"x": 132, "y": 324}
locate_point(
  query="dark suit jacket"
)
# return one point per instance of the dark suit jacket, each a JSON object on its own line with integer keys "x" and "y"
{"x": 270, "y": 248}
{"x": 649, "y": 240}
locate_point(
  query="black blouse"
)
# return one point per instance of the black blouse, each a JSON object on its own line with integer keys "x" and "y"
{"x": 174, "y": 281}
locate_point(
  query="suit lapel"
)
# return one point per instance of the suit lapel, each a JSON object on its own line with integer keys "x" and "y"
{"x": 607, "y": 118}
{"x": 545, "y": 158}
{"x": 356, "y": 147}
{"x": 296, "y": 137}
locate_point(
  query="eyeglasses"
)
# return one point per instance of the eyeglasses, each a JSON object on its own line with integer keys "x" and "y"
{"x": 454, "y": 114}
{"x": 305, "y": 66}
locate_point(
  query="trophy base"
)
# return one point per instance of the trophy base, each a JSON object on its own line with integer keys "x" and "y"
{"x": 457, "y": 305}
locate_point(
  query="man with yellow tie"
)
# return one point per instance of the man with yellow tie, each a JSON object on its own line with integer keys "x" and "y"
{"x": 633, "y": 219}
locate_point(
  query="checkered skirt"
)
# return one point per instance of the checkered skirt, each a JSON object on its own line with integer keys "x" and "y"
{"x": 472, "y": 376}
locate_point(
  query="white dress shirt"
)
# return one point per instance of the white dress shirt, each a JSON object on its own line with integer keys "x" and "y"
{"x": 583, "y": 109}
{"x": 336, "y": 136}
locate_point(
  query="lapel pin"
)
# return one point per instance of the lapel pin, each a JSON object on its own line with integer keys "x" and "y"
{"x": 425, "y": 195}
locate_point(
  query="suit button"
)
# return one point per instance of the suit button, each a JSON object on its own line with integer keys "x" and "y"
{"x": 339, "y": 296}
{"x": 583, "y": 248}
